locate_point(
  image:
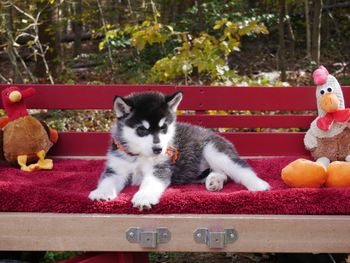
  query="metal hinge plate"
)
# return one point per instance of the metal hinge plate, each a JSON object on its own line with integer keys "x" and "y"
{"x": 148, "y": 238}
{"x": 215, "y": 239}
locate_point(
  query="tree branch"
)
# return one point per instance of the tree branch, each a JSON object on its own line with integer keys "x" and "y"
{"x": 4, "y": 79}
{"x": 105, "y": 30}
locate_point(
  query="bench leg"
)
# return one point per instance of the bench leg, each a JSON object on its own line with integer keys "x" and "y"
{"x": 110, "y": 257}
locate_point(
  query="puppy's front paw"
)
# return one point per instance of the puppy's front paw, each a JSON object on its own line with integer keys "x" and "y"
{"x": 144, "y": 200}
{"x": 258, "y": 185}
{"x": 100, "y": 194}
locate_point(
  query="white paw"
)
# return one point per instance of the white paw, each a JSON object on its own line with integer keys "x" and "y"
{"x": 215, "y": 182}
{"x": 258, "y": 185}
{"x": 144, "y": 200}
{"x": 100, "y": 194}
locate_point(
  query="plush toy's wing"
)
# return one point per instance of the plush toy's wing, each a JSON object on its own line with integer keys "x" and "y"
{"x": 310, "y": 140}
{"x": 52, "y": 133}
{"x": 2, "y": 157}
{"x": 3, "y": 121}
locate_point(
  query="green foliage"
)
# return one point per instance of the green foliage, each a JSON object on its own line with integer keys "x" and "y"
{"x": 206, "y": 54}
{"x": 149, "y": 32}
{"x": 52, "y": 257}
{"x": 344, "y": 80}
{"x": 201, "y": 17}
{"x": 169, "y": 52}
{"x": 164, "y": 41}
{"x": 116, "y": 38}
{"x": 137, "y": 47}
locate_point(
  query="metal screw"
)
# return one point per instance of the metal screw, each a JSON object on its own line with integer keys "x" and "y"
{"x": 232, "y": 235}
{"x": 199, "y": 235}
{"x": 131, "y": 234}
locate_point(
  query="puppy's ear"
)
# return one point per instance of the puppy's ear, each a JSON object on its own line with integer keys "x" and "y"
{"x": 174, "y": 100}
{"x": 122, "y": 107}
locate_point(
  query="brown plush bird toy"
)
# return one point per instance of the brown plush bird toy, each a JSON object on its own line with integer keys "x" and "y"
{"x": 24, "y": 138}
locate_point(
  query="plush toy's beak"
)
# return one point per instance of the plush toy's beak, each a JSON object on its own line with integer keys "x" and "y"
{"x": 28, "y": 92}
{"x": 15, "y": 96}
{"x": 329, "y": 102}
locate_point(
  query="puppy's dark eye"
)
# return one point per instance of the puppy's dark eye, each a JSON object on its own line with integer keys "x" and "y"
{"x": 164, "y": 128}
{"x": 322, "y": 92}
{"x": 329, "y": 90}
{"x": 142, "y": 131}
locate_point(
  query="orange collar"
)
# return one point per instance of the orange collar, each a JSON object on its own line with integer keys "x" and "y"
{"x": 123, "y": 148}
{"x": 171, "y": 151}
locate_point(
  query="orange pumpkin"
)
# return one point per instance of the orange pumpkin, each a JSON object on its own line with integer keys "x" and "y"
{"x": 338, "y": 174}
{"x": 304, "y": 173}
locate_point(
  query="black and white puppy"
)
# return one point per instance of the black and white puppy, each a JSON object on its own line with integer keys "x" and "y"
{"x": 150, "y": 149}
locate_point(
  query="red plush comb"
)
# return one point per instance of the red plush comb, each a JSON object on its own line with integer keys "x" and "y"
{"x": 320, "y": 75}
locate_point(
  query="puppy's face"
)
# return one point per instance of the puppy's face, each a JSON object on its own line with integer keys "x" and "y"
{"x": 147, "y": 121}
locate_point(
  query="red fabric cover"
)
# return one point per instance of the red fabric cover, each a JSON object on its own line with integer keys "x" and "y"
{"x": 66, "y": 187}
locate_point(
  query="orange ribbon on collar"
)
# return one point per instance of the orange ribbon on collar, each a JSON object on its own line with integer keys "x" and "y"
{"x": 123, "y": 148}
{"x": 171, "y": 151}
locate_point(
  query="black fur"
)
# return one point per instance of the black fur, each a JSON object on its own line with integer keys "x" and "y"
{"x": 151, "y": 107}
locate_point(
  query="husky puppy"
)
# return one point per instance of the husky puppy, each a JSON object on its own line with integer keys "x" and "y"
{"x": 150, "y": 149}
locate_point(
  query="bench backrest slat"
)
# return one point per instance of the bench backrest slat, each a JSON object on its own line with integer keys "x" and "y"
{"x": 195, "y": 98}
{"x": 249, "y": 121}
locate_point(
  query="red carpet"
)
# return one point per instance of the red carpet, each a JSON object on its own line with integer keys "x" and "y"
{"x": 65, "y": 190}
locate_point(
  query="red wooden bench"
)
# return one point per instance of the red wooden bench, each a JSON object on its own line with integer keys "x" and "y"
{"x": 272, "y": 109}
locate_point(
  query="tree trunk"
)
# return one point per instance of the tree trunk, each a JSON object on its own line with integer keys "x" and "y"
{"x": 8, "y": 22}
{"x": 281, "y": 50}
{"x": 116, "y": 9}
{"x": 77, "y": 27}
{"x": 290, "y": 34}
{"x": 326, "y": 24}
{"x": 308, "y": 31}
{"x": 316, "y": 32}
{"x": 59, "y": 33}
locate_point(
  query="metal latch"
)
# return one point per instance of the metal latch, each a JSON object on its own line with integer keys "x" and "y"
{"x": 148, "y": 238}
{"x": 215, "y": 239}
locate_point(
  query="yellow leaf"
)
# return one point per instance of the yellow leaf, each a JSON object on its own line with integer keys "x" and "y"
{"x": 217, "y": 26}
{"x": 146, "y": 23}
{"x": 101, "y": 45}
{"x": 220, "y": 23}
{"x": 156, "y": 26}
{"x": 170, "y": 28}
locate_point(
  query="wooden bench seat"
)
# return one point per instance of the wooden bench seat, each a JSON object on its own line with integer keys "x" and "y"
{"x": 264, "y": 123}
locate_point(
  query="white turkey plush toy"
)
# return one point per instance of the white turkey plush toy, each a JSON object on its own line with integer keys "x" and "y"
{"x": 328, "y": 140}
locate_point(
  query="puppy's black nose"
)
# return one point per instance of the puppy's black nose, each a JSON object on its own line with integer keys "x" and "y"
{"x": 156, "y": 150}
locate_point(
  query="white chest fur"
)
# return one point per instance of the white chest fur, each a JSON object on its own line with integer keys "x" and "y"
{"x": 135, "y": 168}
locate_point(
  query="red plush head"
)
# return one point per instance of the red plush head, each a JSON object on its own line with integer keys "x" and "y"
{"x": 13, "y": 101}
